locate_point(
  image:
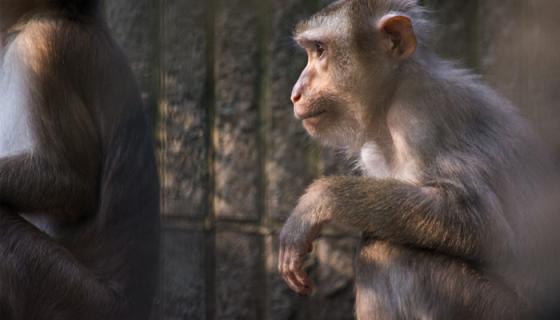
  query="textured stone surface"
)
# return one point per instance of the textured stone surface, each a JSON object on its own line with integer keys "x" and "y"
{"x": 455, "y": 30}
{"x": 239, "y": 282}
{"x": 237, "y": 61}
{"x": 183, "y": 275}
{"x": 185, "y": 108}
{"x": 500, "y": 48}
{"x": 134, "y": 26}
{"x": 540, "y": 38}
{"x": 520, "y": 58}
{"x": 288, "y": 161}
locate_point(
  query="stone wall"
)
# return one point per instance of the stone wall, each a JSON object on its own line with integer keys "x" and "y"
{"x": 216, "y": 76}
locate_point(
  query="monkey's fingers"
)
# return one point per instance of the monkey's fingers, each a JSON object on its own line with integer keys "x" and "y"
{"x": 303, "y": 279}
{"x": 296, "y": 285}
{"x": 295, "y": 274}
{"x": 293, "y": 286}
{"x": 283, "y": 266}
{"x": 287, "y": 265}
{"x": 281, "y": 260}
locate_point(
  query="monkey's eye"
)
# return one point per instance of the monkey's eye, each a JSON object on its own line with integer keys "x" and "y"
{"x": 319, "y": 49}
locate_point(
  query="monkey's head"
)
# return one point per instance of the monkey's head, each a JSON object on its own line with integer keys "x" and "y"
{"x": 354, "y": 49}
{"x": 11, "y": 11}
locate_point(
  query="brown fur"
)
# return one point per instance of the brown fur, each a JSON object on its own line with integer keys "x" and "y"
{"x": 88, "y": 246}
{"x": 447, "y": 224}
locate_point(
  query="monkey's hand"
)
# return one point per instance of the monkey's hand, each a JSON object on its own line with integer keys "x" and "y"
{"x": 297, "y": 236}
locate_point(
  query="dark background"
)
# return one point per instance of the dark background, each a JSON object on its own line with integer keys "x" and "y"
{"x": 216, "y": 77}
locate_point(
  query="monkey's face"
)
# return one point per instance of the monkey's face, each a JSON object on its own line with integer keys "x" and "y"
{"x": 350, "y": 71}
{"x": 324, "y": 95}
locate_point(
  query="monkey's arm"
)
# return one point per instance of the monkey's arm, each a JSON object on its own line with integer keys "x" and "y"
{"x": 33, "y": 183}
{"x": 60, "y": 174}
{"x": 449, "y": 218}
{"x": 36, "y": 268}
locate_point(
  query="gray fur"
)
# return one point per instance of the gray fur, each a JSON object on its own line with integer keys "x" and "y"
{"x": 448, "y": 238}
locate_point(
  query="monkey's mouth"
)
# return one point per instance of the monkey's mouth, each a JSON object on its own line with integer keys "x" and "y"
{"x": 310, "y": 115}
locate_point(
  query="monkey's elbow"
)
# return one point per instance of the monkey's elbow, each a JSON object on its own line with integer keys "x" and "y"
{"x": 81, "y": 203}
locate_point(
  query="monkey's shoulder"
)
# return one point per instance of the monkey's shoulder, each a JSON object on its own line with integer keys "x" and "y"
{"x": 45, "y": 41}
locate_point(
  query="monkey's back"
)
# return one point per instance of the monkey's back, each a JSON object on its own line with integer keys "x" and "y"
{"x": 469, "y": 137}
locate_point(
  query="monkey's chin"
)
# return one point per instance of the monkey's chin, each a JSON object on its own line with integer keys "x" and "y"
{"x": 312, "y": 122}
{"x": 312, "y": 125}
{"x": 320, "y": 128}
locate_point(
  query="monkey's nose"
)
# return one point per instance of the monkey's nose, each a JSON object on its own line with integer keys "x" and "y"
{"x": 296, "y": 93}
{"x": 296, "y": 97}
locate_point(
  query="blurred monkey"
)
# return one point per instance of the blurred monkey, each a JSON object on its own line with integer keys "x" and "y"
{"x": 79, "y": 194}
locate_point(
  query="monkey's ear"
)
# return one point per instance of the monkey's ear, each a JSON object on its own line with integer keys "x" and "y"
{"x": 400, "y": 38}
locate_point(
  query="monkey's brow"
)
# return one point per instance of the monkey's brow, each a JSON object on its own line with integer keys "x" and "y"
{"x": 301, "y": 41}
{"x": 306, "y": 41}
{"x": 311, "y": 36}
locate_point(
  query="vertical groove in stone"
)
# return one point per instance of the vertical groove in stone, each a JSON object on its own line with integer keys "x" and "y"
{"x": 158, "y": 314}
{"x": 236, "y": 141}
{"x": 237, "y": 158}
{"x": 184, "y": 287}
{"x": 185, "y": 165}
{"x": 161, "y": 138}
{"x": 185, "y": 114}
{"x": 161, "y": 143}
{"x": 238, "y": 263}
{"x": 263, "y": 7}
{"x": 210, "y": 234}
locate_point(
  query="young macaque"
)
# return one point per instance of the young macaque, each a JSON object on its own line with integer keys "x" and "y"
{"x": 450, "y": 170}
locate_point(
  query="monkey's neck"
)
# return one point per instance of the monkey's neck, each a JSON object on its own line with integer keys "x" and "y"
{"x": 377, "y": 126}
{"x": 410, "y": 101}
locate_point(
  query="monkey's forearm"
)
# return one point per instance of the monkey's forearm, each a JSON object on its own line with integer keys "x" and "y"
{"x": 30, "y": 184}
{"x": 441, "y": 219}
{"x": 39, "y": 269}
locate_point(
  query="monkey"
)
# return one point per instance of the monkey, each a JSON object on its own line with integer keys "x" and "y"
{"x": 79, "y": 186}
{"x": 449, "y": 169}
